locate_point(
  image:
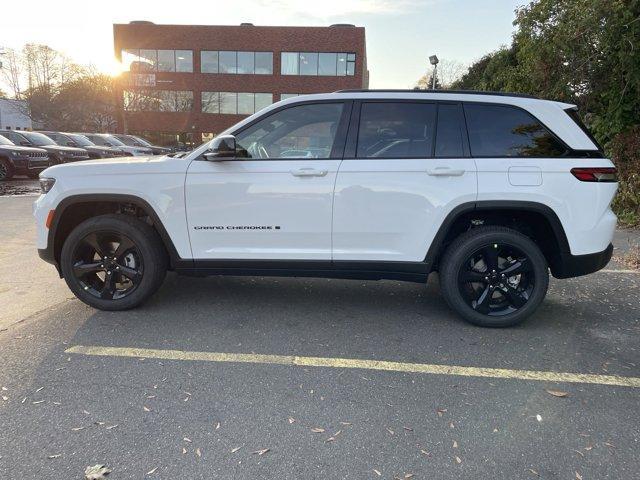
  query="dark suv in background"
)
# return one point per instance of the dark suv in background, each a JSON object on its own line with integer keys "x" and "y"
{"x": 80, "y": 141}
{"x": 134, "y": 141}
{"x": 57, "y": 153}
{"x": 20, "y": 160}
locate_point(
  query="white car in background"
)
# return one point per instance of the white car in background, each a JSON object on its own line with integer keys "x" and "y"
{"x": 108, "y": 140}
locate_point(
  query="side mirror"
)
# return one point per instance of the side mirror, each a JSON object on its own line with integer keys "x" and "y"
{"x": 223, "y": 147}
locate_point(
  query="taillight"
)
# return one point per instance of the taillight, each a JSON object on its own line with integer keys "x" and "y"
{"x": 597, "y": 174}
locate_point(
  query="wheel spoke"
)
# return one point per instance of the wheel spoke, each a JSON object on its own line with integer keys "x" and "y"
{"x": 96, "y": 244}
{"x": 109, "y": 288}
{"x": 484, "y": 300}
{"x": 81, "y": 269}
{"x": 515, "y": 298}
{"x": 490, "y": 255}
{"x": 470, "y": 276}
{"x": 125, "y": 245}
{"x": 520, "y": 266}
{"x": 132, "y": 274}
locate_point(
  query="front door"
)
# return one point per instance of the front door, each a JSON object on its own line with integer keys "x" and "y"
{"x": 406, "y": 167}
{"x": 275, "y": 200}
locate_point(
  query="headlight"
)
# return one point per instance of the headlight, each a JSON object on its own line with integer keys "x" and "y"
{"x": 46, "y": 184}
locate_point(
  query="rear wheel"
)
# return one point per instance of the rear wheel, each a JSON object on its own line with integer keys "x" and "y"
{"x": 6, "y": 170}
{"x": 494, "y": 276}
{"x": 113, "y": 262}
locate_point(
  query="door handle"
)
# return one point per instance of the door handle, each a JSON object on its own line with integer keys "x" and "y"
{"x": 444, "y": 172}
{"x": 308, "y": 172}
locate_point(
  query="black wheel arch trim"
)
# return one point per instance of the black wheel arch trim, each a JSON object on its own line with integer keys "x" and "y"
{"x": 436, "y": 248}
{"x": 51, "y": 254}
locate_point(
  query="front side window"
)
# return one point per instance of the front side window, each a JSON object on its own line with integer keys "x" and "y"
{"x": 396, "y": 130}
{"x": 301, "y": 131}
{"x": 506, "y": 131}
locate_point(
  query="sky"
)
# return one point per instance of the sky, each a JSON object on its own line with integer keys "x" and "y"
{"x": 401, "y": 34}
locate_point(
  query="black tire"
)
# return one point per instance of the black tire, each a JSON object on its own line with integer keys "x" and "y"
{"x": 504, "y": 300}
{"x": 6, "y": 170}
{"x": 141, "y": 265}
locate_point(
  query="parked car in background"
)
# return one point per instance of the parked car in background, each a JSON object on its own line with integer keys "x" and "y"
{"x": 20, "y": 160}
{"x": 57, "y": 153}
{"x": 134, "y": 141}
{"x": 109, "y": 140}
{"x": 76, "y": 140}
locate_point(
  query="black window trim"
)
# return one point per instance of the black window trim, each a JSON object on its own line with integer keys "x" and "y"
{"x": 337, "y": 150}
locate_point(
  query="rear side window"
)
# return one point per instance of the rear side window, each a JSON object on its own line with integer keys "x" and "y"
{"x": 505, "y": 131}
{"x": 396, "y": 130}
{"x": 450, "y": 131}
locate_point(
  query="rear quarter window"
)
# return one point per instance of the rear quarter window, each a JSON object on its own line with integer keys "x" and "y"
{"x": 506, "y": 131}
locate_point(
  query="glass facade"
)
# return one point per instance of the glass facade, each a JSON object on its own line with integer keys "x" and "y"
{"x": 234, "y": 103}
{"x": 318, "y": 63}
{"x": 149, "y": 60}
{"x": 158, "y": 100}
{"x": 243, "y": 63}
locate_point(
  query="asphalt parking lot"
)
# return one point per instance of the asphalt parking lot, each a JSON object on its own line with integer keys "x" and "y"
{"x": 249, "y": 378}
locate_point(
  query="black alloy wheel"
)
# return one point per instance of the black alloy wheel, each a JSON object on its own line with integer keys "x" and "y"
{"x": 107, "y": 265}
{"x": 496, "y": 279}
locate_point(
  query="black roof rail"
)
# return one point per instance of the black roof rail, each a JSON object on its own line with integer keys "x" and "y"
{"x": 416, "y": 90}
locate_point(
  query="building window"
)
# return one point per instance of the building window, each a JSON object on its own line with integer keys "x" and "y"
{"x": 232, "y": 103}
{"x": 314, "y": 63}
{"x": 158, "y": 100}
{"x": 243, "y": 63}
{"x": 284, "y": 96}
{"x": 149, "y": 60}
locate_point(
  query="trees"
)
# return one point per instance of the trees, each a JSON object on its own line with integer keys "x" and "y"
{"x": 60, "y": 94}
{"x": 448, "y": 72}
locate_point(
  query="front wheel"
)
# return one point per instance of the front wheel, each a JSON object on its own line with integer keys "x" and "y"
{"x": 113, "y": 262}
{"x": 6, "y": 170}
{"x": 494, "y": 276}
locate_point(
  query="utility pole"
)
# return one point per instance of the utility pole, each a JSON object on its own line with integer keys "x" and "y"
{"x": 433, "y": 59}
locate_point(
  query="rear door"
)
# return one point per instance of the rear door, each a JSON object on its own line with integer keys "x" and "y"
{"x": 406, "y": 167}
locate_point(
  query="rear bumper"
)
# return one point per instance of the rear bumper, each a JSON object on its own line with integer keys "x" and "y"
{"x": 568, "y": 265}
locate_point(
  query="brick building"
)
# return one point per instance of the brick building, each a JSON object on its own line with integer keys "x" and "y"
{"x": 186, "y": 83}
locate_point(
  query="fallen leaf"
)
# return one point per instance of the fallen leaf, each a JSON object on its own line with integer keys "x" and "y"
{"x": 331, "y": 439}
{"x": 145, "y": 408}
{"x": 217, "y": 425}
{"x": 377, "y": 472}
{"x": 198, "y": 452}
{"x": 440, "y": 411}
{"x": 98, "y": 423}
{"x": 57, "y": 455}
{"x": 557, "y": 393}
{"x": 187, "y": 439}
{"x": 24, "y": 400}
{"x": 96, "y": 472}
{"x": 5, "y": 398}
{"x": 458, "y": 459}
{"x": 539, "y": 417}
{"x": 184, "y": 450}
{"x": 234, "y": 450}
{"x": 39, "y": 390}
{"x": 408, "y": 429}
{"x": 77, "y": 429}
{"x": 151, "y": 396}
{"x": 111, "y": 426}
{"x": 451, "y": 425}
{"x": 579, "y": 452}
{"x": 37, "y": 402}
{"x": 578, "y": 476}
{"x": 152, "y": 471}
{"x": 346, "y": 423}
{"x": 424, "y": 452}
{"x": 261, "y": 452}
{"x": 588, "y": 447}
{"x": 409, "y": 475}
{"x": 534, "y": 472}
{"x": 186, "y": 399}
{"x": 291, "y": 420}
{"x": 391, "y": 432}
{"x": 455, "y": 444}
{"x": 317, "y": 430}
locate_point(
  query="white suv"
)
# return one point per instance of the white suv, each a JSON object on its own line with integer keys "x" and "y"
{"x": 489, "y": 190}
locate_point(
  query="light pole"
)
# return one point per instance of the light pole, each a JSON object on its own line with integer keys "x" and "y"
{"x": 433, "y": 59}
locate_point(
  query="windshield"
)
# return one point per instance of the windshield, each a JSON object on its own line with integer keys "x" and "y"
{"x": 5, "y": 141}
{"x": 106, "y": 140}
{"x": 38, "y": 139}
{"x": 81, "y": 140}
{"x": 129, "y": 140}
{"x": 142, "y": 141}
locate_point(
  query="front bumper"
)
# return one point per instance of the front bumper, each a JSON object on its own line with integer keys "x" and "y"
{"x": 568, "y": 265}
